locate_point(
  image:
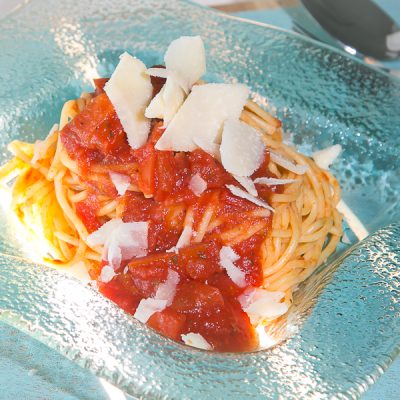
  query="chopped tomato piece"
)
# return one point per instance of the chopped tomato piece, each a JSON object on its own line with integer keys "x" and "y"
{"x": 122, "y": 291}
{"x": 209, "y": 169}
{"x": 147, "y": 279}
{"x": 96, "y": 128}
{"x": 168, "y": 322}
{"x": 200, "y": 260}
{"x": 146, "y": 157}
{"x": 87, "y": 212}
{"x": 194, "y": 297}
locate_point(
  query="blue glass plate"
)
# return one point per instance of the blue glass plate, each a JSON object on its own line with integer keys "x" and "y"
{"x": 346, "y": 326}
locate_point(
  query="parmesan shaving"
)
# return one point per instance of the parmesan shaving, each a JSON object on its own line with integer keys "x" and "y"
{"x": 261, "y": 303}
{"x": 273, "y": 181}
{"x": 166, "y": 291}
{"x": 148, "y": 307}
{"x": 157, "y": 72}
{"x": 121, "y": 182}
{"x": 325, "y": 157}
{"x": 209, "y": 147}
{"x": 167, "y": 102}
{"x": 202, "y": 115}
{"x": 162, "y": 299}
{"x": 185, "y": 60}
{"x": 129, "y": 90}
{"x": 185, "y": 63}
{"x": 247, "y": 196}
{"x": 227, "y": 258}
{"x": 248, "y": 184}
{"x": 242, "y": 148}
{"x": 298, "y": 169}
{"x": 196, "y": 340}
{"x": 121, "y": 240}
{"x": 197, "y": 184}
{"x": 107, "y": 274}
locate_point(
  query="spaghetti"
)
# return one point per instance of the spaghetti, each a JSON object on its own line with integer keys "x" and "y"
{"x": 65, "y": 192}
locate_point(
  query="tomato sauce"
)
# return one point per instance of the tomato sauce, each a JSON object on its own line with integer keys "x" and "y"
{"x": 206, "y": 299}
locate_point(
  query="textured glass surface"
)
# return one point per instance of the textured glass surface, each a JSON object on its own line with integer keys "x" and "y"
{"x": 49, "y": 53}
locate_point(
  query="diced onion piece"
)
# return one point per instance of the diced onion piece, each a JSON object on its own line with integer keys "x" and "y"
{"x": 298, "y": 169}
{"x": 166, "y": 291}
{"x": 107, "y": 274}
{"x": 197, "y": 184}
{"x": 242, "y": 148}
{"x": 248, "y": 184}
{"x": 263, "y": 303}
{"x": 129, "y": 90}
{"x": 273, "y": 181}
{"x": 121, "y": 240}
{"x": 148, "y": 307}
{"x": 244, "y": 195}
{"x": 120, "y": 181}
{"x": 325, "y": 157}
{"x": 202, "y": 115}
{"x": 196, "y": 340}
{"x": 227, "y": 257}
{"x": 186, "y": 236}
{"x": 185, "y": 60}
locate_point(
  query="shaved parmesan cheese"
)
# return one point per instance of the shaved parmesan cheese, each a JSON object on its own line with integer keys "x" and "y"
{"x": 162, "y": 299}
{"x": 273, "y": 181}
{"x": 148, "y": 307}
{"x": 262, "y": 303}
{"x": 324, "y": 158}
{"x": 208, "y": 147}
{"x": 166, "y": 291}
{"x": 197, "y": 184}
{"x": 185, "y": 60}
{"x": 121, "y": 182}
{"x": 196, "y": 340}
{"x": 202, "y": 115}
{"x": 184, "y": 65}
{"x": 242, "y": 148}
{"x": 167, "y": 102}
{"x": 129, "y": 90}
{"x": 100, "y": 236}
{"x": 121, "y": 240}
{"x": 244, "y": 195}
{"x": 227, "y": 257}
{"x": 107, "y": 274}
{"x": 40, "y": 148}
{"x": 248, "y": 184}
{"x": 184, "y": 239}
{"x": 113, "y": 253}
{"x": 157, "y": 72}
{"x": 289, "y": 165}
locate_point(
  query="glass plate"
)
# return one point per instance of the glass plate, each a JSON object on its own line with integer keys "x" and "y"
{"x": 346, "y": 316}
